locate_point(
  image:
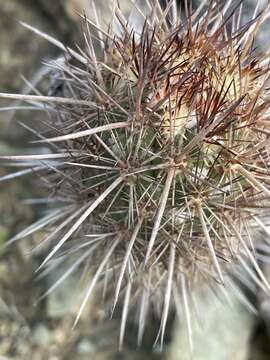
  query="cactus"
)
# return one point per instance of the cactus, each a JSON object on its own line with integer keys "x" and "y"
{"x": 157, "y": 156}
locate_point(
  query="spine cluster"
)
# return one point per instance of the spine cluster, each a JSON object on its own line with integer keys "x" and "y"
{"x": 158, "y": 156}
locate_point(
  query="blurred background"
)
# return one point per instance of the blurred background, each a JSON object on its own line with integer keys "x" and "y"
{"x": 42, "y": 330}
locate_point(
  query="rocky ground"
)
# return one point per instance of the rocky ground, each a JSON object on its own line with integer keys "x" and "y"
{"x": 43, "y": 330}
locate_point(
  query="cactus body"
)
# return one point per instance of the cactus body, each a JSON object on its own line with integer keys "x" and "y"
{"x": 158, "y": 156}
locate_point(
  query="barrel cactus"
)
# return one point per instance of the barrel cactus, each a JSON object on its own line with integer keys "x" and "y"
{"x": 157, "y": 156}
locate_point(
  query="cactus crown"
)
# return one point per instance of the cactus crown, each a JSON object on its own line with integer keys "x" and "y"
{"x": 158, "y": 158}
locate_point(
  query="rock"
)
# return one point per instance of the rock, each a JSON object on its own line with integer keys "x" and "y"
{"x": 42, "y": 336}
{"x": 66, "y": 299}
{"x": 22, "y": 53}
{"x": 224, "y": 334}
{"x": 4, "y": 233}
{"x": 84, "y": 6}
{"x": 85, "y": 347}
